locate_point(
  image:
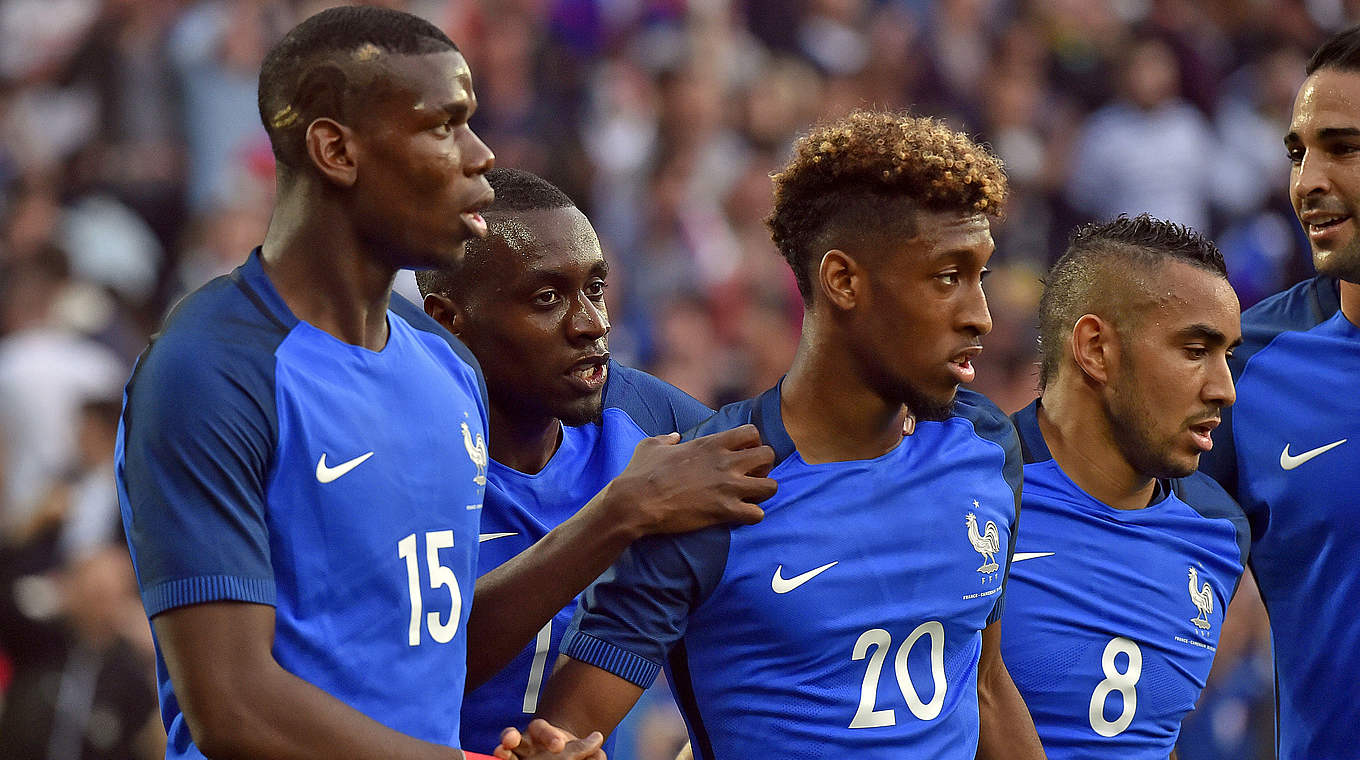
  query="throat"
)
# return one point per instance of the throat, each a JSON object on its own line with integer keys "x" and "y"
{"x": 524, "y": 447}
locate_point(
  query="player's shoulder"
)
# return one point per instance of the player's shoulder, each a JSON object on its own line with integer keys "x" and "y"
{"x": 1203, "y": 494}
{"x": 229, "y": 326}
{"x": 655, "y": 405}
{"x": 1033, "y": 447}
{"x": 1298, "y": 308}
{"x": 426, "y": 325}
{"x": 986, "y": 418}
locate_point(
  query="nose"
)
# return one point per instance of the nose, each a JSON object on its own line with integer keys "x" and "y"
{"x": 975, "y": 317}
{"x": 1310, "y": 176}
{"x": 477, "y": 157}
{"x": 589, "y": 320}
{"x": 1218, "y": 386}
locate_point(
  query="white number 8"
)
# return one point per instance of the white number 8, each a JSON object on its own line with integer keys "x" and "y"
{"x": 1116, "y": 681}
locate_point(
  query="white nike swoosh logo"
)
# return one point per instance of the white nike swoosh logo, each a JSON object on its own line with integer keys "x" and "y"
{"x": 484, "y": 537}
{"x": 1290, "y": 461}
{"x": 326, "y": 474}
{"x": 782, "y": 585}
{"x": 1022, "y": 556}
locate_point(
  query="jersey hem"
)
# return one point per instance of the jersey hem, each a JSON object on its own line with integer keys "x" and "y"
{"x": 207, "y": 588}
{"x": 636, "y": 670}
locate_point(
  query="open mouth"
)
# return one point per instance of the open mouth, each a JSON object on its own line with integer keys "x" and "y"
{"x": 472, "y": 218}
{"x": 962, "y": 364}
{"x": 1202, "y": 433}
{"x": 591, "y": 373}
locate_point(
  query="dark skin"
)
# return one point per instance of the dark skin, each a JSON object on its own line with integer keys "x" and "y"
{"x": 536, "y": 319}
{"x": 843, "y": 399}
{"x": 342, "y": 227}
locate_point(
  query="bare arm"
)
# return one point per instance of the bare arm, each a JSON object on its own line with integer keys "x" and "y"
{"x": 579, "y": 698}
{"x": 668, "y": 487}
{"x": 1007, "y": 731}
{"x": 240, "y": 703}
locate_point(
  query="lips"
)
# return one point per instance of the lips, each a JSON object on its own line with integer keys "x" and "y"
{"x": 472, "y": 217}
{"x": 1202, "y": 433}
{"x": 589, "y": 374}
{"x": 1321, "y": 223}
{"x": 962, "y": 364}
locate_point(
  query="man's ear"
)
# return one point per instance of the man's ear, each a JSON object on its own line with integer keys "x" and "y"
{"x": 1095, "y": 347}
{"x": 330, "y": 146}
{"x": 841, "y": 279}
{"x": 443, "y": 310}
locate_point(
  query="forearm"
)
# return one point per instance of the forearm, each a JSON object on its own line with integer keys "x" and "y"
{"x": 1006, "y": 730}
{"x": 581, "y": 698}
{"x": 240, "y": 703}
{"x": 513, "y": 601}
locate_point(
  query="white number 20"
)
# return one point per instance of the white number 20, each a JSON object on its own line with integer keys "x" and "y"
{"x": 1116, "y": 681}
{"x": 866, "y": 716}
{"x": 440, "y": 575}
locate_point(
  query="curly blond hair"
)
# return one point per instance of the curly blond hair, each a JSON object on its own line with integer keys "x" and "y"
{"x": 848, "y": 176}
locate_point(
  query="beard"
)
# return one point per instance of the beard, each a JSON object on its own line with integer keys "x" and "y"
{"x": 1343, "y": 264}
{"x": 585, "y": 411}
{"x": 1135, "y": 435}
{"x": 924, "y": 407}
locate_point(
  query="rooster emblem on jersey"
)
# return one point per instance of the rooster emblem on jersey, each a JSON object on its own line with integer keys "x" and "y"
{"x": 987, "y": 543}
{"x": 476, "y": 452}
{"x": 1203, "y": 597}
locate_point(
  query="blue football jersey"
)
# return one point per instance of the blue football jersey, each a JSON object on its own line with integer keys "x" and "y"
{"x": 262, "y": 460}
{"x": 1292, "y": 456}
{"x": 1113, "y": 615}
{"x": 850, "y": 618}
{"x": 520, "y": 509}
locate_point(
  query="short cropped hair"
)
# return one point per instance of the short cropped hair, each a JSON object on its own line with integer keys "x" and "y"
{"x": 1341, "y": 51}
{"x": 848, "y": 181}
{"x": 516, "y": 190}
{"x": 1106, "y": 262}
{"x": 297, "y": 86}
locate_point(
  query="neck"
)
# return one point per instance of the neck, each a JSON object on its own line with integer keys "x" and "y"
{"x": 526, "y": 445}
{"x": 325, "y": 274}
{"x": 1078, "y": 434}
{"x": 829, "y": 412}
{"x": 1350, "y": 301}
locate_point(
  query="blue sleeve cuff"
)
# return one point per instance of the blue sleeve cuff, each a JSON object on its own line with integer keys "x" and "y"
{"x": 636, "y": 670}
{"x": 207, "y": 588}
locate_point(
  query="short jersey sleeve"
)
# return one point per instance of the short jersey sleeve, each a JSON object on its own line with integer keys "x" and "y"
{"x": 193, "y": 455}
{"x": 629, "y": 619}
{"x": 655, "y": 405}
{"x": 992, "y": 425}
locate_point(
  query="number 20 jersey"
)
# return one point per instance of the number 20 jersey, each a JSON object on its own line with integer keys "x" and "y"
{"x": 1113, "y": 615}
{"x": 849, "y": 619}
{"x": 262, "y": 460}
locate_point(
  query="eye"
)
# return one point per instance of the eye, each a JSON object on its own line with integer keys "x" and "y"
{"x": 546, "y": 298}
{"x": 948, "y": 278}
{"x": 595, "y": 290}
{"x": 1295, "y": 154}
{"x": 1196, "y": 352}
{"x": 445, "y": 129}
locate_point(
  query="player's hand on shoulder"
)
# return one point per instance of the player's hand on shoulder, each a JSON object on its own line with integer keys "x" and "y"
{"x": 544, "y": 741}
{"x": 673, "y": 487}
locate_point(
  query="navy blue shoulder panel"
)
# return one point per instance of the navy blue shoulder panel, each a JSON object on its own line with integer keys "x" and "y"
{"x": 417, "y": 318}
{"x": 1208, "y": 498}
{"x": 762, "y": 411}
{"x": 990, "y": 423}
{"x": 199, "y": 429}
{"x": 1299, "y": 308}
{"x": 1033, "y": 447}
{"x": 654, "y": 404}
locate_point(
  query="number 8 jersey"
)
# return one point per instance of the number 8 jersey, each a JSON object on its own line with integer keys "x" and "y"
{"x": 1113, "y": 615}
{"x": 849, "y": 619}
{"x": 262, "y": 460}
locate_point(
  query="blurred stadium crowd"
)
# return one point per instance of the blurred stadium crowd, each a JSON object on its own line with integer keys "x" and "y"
{"x": 133, "y": 168}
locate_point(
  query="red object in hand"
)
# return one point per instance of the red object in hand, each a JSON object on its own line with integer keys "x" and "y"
{"x": 476, "y": 756}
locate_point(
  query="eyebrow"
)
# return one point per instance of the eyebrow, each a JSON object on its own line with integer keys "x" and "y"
{"x": 1211, "y": 334}
{"x": 1326, "y": 133}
